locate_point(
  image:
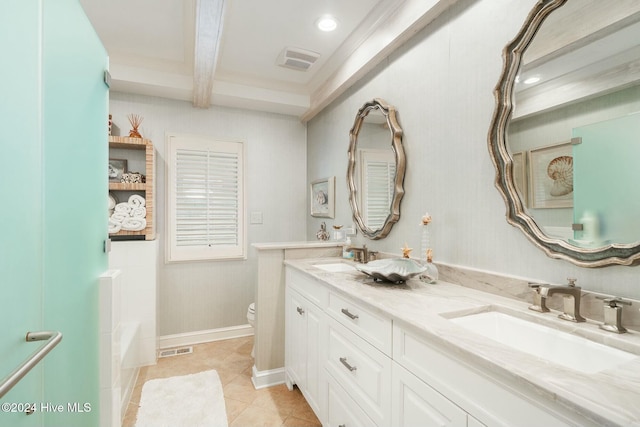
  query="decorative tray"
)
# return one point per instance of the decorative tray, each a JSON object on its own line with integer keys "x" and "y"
{"x": 396, "y": 270}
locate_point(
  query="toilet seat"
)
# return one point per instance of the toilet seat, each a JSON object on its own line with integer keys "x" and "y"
{"x": 251, "y": 313}
{"x": 251, "y": 318}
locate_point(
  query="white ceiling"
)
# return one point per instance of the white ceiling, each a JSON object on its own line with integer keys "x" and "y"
{"x": 151, "y": 45}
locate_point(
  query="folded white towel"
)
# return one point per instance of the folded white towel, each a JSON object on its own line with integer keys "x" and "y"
{"x": 114, "y": 226}
{"x": 119, "y": 217}
{"x": 134, "y": 224}
{"x": 123, "y": 208}
{"x": 136, "y": 200}
{"x": 138, "y": 212}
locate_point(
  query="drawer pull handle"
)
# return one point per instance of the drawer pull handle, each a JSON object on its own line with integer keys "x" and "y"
{"x": 342, "y": 425}
{"x": 346, "y": 312}
{"x": 300, "y": 310}
{"x": 343, "y": 360}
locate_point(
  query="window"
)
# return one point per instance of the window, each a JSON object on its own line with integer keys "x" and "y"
{"x": 205, "y": 199}
{"x": 378, "y": 177}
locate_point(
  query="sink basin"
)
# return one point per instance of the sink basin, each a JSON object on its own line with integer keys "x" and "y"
{"x": 336, "y": 267}
{"x": 555, "y": 346}
{"x": 395, "y": 270}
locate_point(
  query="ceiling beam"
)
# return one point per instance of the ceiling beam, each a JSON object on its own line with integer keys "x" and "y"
{"x": 209, "y": 17}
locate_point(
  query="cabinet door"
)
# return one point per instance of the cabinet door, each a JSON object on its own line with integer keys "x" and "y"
{"x": 295, "y": 339}
{"x": 416, "y": 403}
{"x": 315, "y": 356}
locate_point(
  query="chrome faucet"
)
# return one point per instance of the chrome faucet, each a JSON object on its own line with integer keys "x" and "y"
{"x": 362, "y": 254}
{"x": 571, "y": 308}
{"x": 539, "y": 300}
{"x": 613, "y": 314}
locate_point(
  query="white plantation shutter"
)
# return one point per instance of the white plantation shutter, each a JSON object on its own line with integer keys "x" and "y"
{"x": 378, "y": 177}
{"x": 205, "y": 192}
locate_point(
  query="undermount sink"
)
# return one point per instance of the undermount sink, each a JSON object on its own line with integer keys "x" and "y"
{"x": 547, "y": 343}
{"x": 335, "y": 267}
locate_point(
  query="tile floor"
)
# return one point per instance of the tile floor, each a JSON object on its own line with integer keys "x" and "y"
{"x": 246, "y": 406}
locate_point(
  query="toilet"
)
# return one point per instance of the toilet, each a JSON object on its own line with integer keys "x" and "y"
{"x": 251, "y": 318}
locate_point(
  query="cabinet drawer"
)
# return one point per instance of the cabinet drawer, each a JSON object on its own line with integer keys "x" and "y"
{"x": 342, "y": 410}
{"x": 362, "y": 370}
{"x": 417, "y": 404}
{"x": 307, "y": 286}
{"x": 373, "y": 327}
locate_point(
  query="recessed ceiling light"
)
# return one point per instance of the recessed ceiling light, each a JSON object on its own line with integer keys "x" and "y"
{"x": 532, "y": 80}
{"x": 326, "y": 23}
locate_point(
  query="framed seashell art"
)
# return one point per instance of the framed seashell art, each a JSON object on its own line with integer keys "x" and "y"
{"x": 322, "y": 196}
{"x": 551, "y": 176}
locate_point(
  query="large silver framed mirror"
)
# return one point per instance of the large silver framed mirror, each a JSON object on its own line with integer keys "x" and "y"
{"x": 564, "y": 134}
{"x": 375, "y": 174}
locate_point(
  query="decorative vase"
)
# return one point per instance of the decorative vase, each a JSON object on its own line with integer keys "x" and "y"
{"x": 425, "y": 243}
{"x": 135, "y": 121}
{"x": 431, "y": 274}
{"x": 322, "y": 234}
{"x": 426, "y": 254}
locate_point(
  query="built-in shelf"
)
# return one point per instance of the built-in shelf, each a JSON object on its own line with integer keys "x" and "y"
{"x": 145, "y": 189}
{"x": 122, "y": 186}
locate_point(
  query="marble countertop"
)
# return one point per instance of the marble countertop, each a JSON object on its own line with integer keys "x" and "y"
{"x": 609, "y": 397}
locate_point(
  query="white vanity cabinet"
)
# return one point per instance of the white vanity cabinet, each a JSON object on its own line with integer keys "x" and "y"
{"x": 345, "y": 378}
{"x": 305, "y": 342}
{"x": 357, "y": 366}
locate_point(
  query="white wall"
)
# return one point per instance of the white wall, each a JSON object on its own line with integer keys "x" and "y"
{"x": 211, "y": 295}
{"x": 442, "y": 84}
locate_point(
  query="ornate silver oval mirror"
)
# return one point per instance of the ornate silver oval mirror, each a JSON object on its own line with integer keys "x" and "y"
{"x": 375, "y": 174}
{"x": 564, "y": 135}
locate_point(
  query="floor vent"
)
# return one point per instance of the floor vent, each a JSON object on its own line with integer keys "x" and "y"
{"x": 175, "y": 352}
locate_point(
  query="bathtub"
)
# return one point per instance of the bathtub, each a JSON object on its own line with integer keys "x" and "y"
{"x": 129, "y": 361}
{"x": 119, "y": 352}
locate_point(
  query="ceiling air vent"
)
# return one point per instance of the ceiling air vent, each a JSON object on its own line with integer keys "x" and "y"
{"x": 297, "y": 59}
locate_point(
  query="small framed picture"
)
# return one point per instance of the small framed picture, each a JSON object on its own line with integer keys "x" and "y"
{"x": 116, "y": 168}
{"x": 322, "y": 193}
{"x": 551, "y": 176}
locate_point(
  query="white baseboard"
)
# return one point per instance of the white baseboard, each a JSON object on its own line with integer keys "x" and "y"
{"x": 262, "y": 379}
{"x": 199, "y": 337}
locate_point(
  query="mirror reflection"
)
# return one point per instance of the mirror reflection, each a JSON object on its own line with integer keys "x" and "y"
{"x": 569, "y": 170}
{"x": 376, "y": 169}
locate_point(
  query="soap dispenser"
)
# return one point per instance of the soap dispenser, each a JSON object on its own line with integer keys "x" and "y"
{"x": 347, "y": 254}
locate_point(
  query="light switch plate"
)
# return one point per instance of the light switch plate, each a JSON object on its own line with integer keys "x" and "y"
{"x": 256, "y": 217}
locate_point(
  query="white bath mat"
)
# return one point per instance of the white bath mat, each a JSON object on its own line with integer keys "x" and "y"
{"x": 189, "y": 400}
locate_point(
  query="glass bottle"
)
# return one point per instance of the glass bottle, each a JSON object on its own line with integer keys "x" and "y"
{"x": 431, "y": 273}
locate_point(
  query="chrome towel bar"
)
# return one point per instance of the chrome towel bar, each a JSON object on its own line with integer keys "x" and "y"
{"x": 52, "y": 339}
